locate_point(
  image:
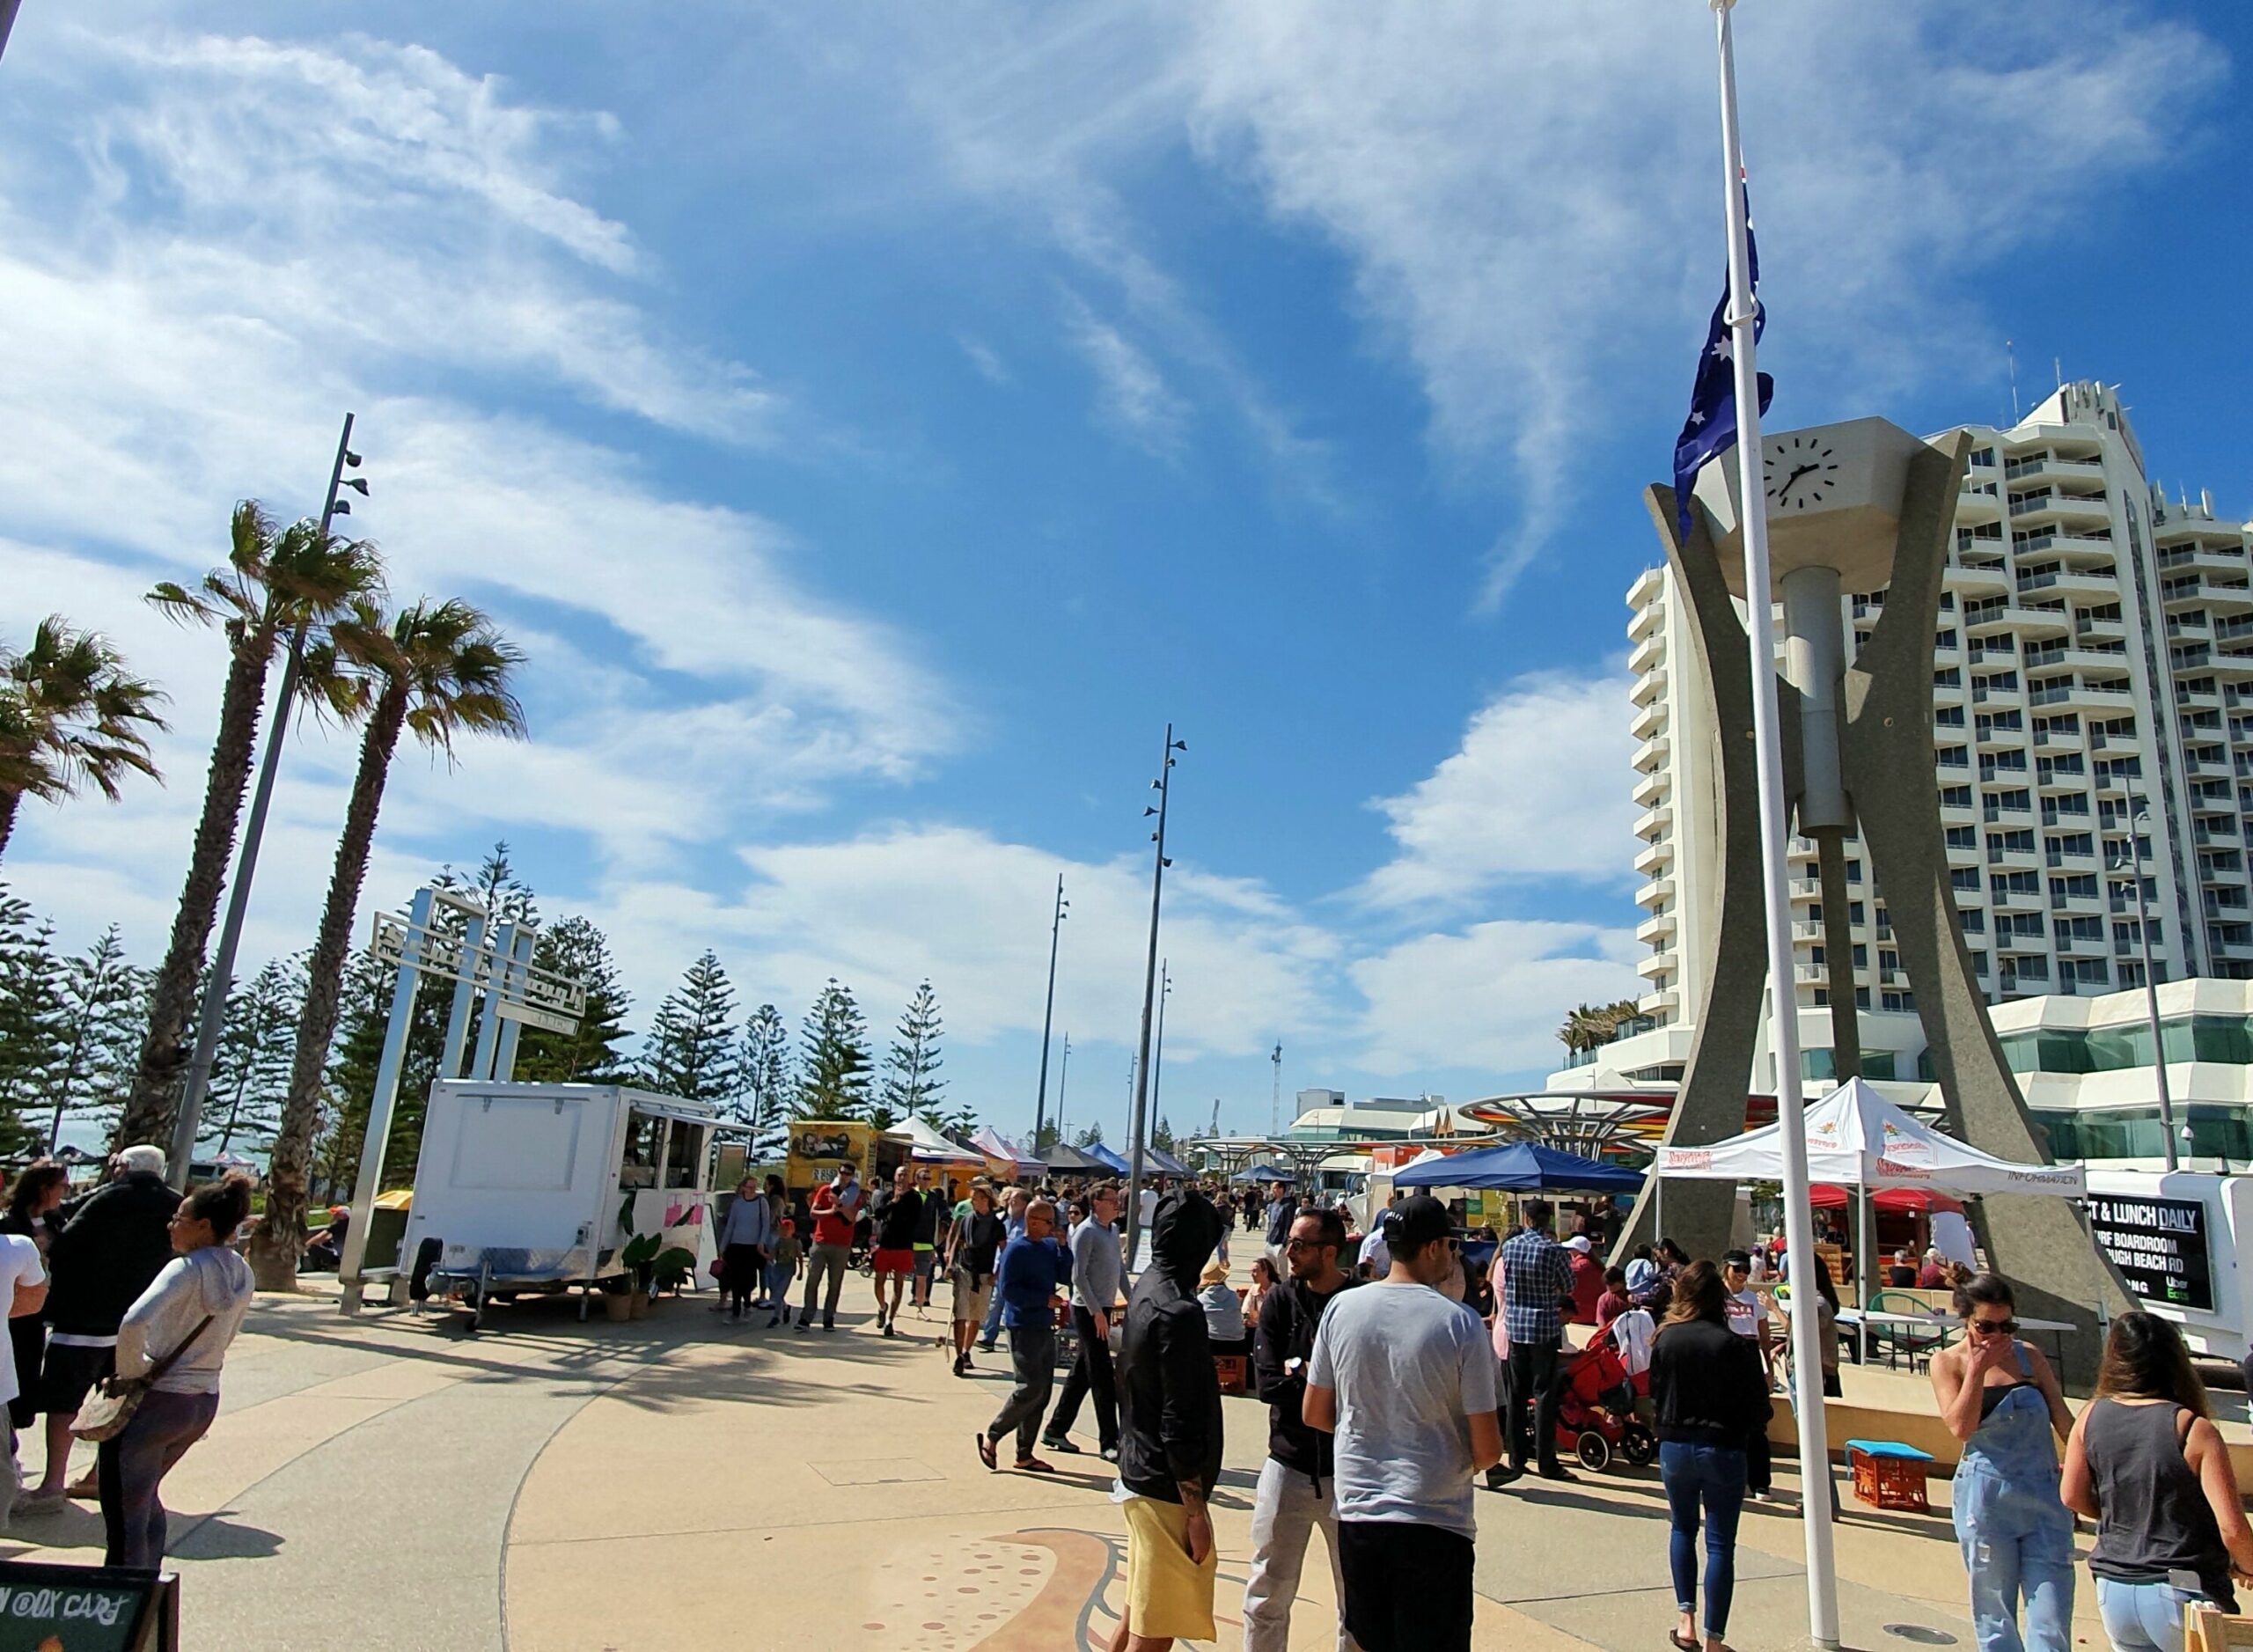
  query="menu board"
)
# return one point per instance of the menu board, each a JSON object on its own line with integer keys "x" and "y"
{"x": 86, "y": 1609}
{"x": 2160, "y": 1245}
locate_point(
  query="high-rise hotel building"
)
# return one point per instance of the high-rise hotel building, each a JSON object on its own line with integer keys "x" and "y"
{"x": 2094, "y": 660}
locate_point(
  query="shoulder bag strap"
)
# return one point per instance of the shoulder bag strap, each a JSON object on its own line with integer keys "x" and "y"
{"x": 165, "y": 1363}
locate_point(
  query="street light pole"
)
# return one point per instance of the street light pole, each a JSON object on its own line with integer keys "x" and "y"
{"x": 1048, "y": 1018}
{"x": 1134, "y": 1130}
{"x": 1063, "y": 1071}
{"x": 1157, "y": 1056}
{"x": 2136, "y": 828}
{"x": 190, "y": 1118}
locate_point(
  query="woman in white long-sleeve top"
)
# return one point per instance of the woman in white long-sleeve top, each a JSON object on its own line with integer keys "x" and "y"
{"x": 191, "y": 1312}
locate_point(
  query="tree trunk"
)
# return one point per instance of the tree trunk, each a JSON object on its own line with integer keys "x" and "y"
{"x": 280, "y": 1237}
{"x": 165, "y": 1050}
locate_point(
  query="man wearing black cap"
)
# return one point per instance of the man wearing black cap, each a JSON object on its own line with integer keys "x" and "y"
{"x": 1405, "y": 1377}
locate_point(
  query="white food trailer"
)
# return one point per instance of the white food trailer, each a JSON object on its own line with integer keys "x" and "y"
{"x": 2178, "y": 1239}
{"x": 524, "y": 1188}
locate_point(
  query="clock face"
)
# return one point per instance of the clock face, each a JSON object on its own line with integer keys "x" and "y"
{"x": 1802, "y": 472}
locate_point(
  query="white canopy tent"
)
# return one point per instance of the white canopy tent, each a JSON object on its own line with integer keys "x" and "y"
{"x": 1858, "y": 1139}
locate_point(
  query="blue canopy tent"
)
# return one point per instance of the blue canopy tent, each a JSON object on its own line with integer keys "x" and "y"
{"x": 1522, "y": 1167}
{"x": 1096, "y": 1150}
{"x": 1263, "y": 1173}
{"x": 1164, "y": 1164}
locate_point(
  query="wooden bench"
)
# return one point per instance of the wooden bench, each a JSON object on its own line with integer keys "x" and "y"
{"x": 2208, "y": 1628}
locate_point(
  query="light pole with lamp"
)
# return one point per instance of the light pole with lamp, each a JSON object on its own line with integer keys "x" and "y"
{"x": 1158, "y": 1055}
{"x": 1048, "y": 1019}
{"x": 1135, "y": 1134}
{"x": 2132, "y": 863}
{"x": 189, "y": 1117}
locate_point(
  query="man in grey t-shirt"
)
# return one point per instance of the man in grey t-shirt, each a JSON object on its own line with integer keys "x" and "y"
{"x": 1405, "y": 1377}
{"x": 1097, "y": 1274}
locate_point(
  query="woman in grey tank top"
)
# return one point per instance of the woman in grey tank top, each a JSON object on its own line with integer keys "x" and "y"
{"x": 2145, "y": 1464}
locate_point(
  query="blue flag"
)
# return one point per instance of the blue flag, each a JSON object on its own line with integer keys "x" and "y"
{"x": 1711, "y": 424}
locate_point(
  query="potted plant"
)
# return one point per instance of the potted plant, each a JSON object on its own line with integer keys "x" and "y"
{"x": 652, "y": 1265}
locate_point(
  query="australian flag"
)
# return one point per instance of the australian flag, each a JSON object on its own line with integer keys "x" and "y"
{"x": 1711, "y": 424}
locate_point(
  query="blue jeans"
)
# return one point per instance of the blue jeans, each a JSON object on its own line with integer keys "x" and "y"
{"x": 2143, "y": 1617}
{"x": 1711, "y": 1476}
{"x": 2017, "y": 1542}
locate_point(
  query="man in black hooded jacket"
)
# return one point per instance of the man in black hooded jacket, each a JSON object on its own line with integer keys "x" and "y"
{"x": 1170, "y": 1434}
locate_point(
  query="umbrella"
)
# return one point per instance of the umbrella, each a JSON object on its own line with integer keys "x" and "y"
{"x": 1521, "y": 1167}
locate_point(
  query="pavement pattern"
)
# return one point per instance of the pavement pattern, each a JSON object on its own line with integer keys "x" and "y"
{"x": 390, "y": 1480}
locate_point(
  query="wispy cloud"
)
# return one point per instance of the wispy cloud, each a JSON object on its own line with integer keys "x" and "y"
{"x": 990, "y": 366}
{"x": 1131, "y": 393}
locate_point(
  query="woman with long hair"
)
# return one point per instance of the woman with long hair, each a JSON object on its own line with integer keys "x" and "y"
{"x": 1999, "y": 1396}
{"x": 2145, "y": 1464}
{"x": 173, "y": 1340}
{"x": 1263, "y": 1280}
{"x": 1711, "y": 1393}
{"x": 37, "y": 1190}
{"x": 745, "y": 1238}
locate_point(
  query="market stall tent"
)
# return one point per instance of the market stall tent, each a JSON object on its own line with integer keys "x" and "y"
{"x": 1522, "y": 1167}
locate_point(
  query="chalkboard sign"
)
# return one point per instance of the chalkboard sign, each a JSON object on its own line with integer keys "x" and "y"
{"x": 46, "y": 1608}
{"x": 2160, "y": 1245}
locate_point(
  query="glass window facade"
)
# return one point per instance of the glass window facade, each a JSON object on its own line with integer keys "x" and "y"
{"x": 2227, "y": 1038}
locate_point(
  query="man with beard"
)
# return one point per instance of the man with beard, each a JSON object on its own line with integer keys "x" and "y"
{"x": 1297, "y": 1488}
{"x": 1169, "y": 1434}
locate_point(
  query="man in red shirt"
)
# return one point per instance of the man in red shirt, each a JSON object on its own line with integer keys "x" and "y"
{"x": 835, "y": 1209}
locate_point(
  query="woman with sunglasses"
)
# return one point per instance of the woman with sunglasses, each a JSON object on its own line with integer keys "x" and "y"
{"x": 2146, "y": 1465}
{"x": 2000, "y": 1397}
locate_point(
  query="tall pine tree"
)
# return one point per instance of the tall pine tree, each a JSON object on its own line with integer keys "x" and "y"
{"x": 104, "y": 1005}
{"x": 765, "y": 1068}
{"x": 577, "y": 949}
{"x": 691, "y": 1049}
{"x": 35, "y": 1037}
{"x": 250, "y": 1079}
{"x": 833, "y": 1072}
{"x": 910, "y": 1081}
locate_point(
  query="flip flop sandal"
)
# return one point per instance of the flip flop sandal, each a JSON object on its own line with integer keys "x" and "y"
{"x": 1034, "y": 1466}
{"x": 985, "y": 1454}
{"x": 1674, "y": 1640}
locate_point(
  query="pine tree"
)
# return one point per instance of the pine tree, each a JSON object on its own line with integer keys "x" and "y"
{"x": 35, "y": 1038}
{"x": 578, "y": 949}
{"x": 1161, "y": 1136}
{"x": 833, "y": 1076}
{"x": 1045, "y": 1138}
{"x": 506, "y": 899}
{"x": 691, "y": 1049}
{"x": 909, "y": 1086}
{"x": 103, "y": 1006}
{"x": 250, "y": 1079}
{"x": 1092, "y": 1136}
{"x": 765, "y": 1068}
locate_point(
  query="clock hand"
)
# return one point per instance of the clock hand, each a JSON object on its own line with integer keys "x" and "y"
{"x": 1790, "y": 480}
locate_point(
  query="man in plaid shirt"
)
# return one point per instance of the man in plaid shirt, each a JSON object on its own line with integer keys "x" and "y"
{"x": 1537, "y": 1279}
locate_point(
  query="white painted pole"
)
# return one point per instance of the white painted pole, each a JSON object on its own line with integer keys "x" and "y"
{"x": 1783, "y": 1040}
{"x": 389, "y": 1067}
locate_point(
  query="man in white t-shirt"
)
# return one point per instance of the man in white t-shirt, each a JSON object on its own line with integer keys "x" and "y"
{"x": 1406, "y": 1379}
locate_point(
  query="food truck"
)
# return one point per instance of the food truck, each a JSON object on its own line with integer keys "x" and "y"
{"x": 523, "y": 1188}
{"x": 2176, "y": 1237}
{"x": 817, "y": 1147}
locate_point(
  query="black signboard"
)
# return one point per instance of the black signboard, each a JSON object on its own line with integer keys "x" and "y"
{"x": 87, "y": 1609}
{"x": 2159, "y": 1244}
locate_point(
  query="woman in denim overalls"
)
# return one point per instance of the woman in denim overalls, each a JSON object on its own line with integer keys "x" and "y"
{"x": 2000, "y": 1397}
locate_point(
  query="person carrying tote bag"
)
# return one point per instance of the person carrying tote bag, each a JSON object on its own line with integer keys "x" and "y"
{"x": 160, "y": 1403}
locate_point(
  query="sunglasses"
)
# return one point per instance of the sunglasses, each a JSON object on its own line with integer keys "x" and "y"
{"x": 1295, "y": 1244}
{"x": 1997, "y": 1327}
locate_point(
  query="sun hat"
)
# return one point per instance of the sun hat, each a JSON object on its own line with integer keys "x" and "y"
{"x": 1216, "y": 1272}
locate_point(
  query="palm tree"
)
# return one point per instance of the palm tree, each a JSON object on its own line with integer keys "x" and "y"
{"x": 436, "y": 671}
{"x": 70, "y": 718}
{"x": 275, "y": 583}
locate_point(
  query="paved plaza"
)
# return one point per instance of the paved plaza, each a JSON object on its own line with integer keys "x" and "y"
{"x": 392, "y": 1482}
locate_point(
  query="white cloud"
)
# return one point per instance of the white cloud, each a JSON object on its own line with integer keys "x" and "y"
{"x": 1131, "y": 393}
{"x": 1538, "y": 789}
{"x": 1489, "y": 998}
{"x": 984, "y": 359}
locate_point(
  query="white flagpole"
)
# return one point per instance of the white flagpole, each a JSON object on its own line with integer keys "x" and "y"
{"x": 1783, "y": 1037}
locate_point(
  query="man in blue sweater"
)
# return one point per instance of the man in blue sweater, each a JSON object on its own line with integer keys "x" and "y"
{"x": 1033, "y": 1269}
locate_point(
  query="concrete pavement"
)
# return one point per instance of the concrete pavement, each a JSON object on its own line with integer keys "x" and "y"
{"x": 390, "y": 1482}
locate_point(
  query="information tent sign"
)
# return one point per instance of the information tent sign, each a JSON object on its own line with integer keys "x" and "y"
{"x": 2159, "y": 1245}
{"x": 46, "y": 1608}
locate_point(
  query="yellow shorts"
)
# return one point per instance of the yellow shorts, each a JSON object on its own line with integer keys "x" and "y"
{"x": 1167, "y": 1593}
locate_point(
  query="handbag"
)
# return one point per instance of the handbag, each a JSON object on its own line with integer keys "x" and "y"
{"x": 105, "y": 1413}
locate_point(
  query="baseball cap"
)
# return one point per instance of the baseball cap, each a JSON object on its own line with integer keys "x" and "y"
{"x": 1417, "y": 1222}
{"x": 1579, "y": 1242}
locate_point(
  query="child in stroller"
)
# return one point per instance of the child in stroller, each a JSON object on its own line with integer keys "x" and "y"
{"x": 1596, "y": 1409}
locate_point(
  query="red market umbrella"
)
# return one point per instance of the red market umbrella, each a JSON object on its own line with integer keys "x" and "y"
{"x": 1830, "y": 1196}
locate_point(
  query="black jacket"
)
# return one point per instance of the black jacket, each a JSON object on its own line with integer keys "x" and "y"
{"x": 1287, "y": 1319}
{"x": 1168, "y": 1394}
{"x": 105, "y": 1255}
{"x": 1709, "y": 1385}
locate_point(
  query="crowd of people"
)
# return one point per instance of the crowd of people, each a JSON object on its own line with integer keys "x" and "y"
{"x": 123, "y": 1301}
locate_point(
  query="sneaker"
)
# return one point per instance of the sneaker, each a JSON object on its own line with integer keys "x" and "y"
{"x": 962, "y": 1365}
{"x": 1499, "y": 1477}
{"x": 890, "y": 1329}
{"x": 803, "y": 1327}
{"x": 1109, "y": 1454}
{"x": 829, "y": 1324}
{"x": 985, "y": 1347}
{"x": 41, "y": 1503}
{"x": 1057, "y": 1442}
{"x": 772, "y": 1320}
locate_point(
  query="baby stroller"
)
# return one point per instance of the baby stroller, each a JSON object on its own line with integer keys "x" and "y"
{"x": 1596, "y": 1409}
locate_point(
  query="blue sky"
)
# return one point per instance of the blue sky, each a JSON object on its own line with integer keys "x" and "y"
{"x": 877, "y": 423}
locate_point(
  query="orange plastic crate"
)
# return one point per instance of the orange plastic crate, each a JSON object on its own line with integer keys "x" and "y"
{"x": 1887, "y": 1475}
